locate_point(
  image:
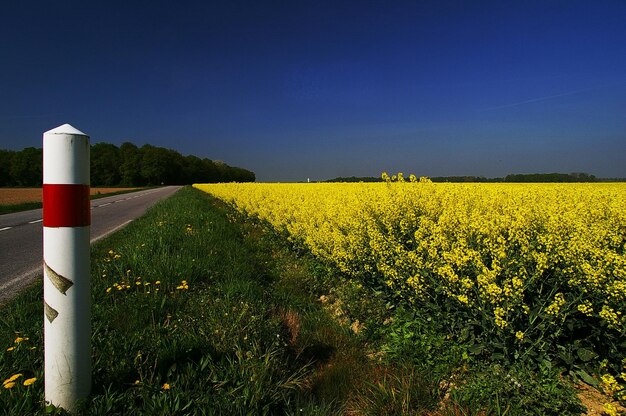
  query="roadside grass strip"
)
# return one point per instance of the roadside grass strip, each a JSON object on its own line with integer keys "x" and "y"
{"x": 198, "y": 312}
{"x": 25, "y": 206}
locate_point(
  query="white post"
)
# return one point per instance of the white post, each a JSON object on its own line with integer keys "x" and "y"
{"x": 66, "y": 283}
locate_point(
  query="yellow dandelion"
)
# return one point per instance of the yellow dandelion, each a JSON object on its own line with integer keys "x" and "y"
{"x": 30, "y": 381}
{"x": 166, "y": 386}
{"x": 12, "y": 378}
{"x": 10, "y": 348}
{"x": 109, "y": 290}
{"x": 9, "y": 385}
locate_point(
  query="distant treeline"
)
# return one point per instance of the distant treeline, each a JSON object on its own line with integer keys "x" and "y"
{"x": 551, "y": 177}
{"x": 525, "y": 177}
{"x": 355, "y": 179}
{"x": 530, "y": 177}
{"x": 127, "y": 165}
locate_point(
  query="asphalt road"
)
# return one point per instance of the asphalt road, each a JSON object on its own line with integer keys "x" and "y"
{"x": 21, "y": 234}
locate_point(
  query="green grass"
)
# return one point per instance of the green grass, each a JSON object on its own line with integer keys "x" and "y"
{"x": 9, "y": 209}
{"x": 237, "y": 321}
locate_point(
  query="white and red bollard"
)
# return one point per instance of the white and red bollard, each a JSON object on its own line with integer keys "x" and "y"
{"x": 66, "y": 252}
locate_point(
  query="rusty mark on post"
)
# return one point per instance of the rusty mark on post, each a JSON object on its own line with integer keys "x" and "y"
{"x": 50, "y": 312}
{"x": 61, "y": 283}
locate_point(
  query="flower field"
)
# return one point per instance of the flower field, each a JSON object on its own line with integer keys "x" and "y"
{"x": 531, "y": 272}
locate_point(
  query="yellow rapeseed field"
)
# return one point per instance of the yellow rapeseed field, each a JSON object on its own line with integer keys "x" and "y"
{"x": 481, "y": 243}
{"x": 520, "y": 257}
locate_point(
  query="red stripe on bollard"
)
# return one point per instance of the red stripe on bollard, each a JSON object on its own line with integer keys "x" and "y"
{"x": 66, "y": 206}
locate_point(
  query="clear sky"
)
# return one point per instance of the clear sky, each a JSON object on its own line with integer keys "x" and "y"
{"x": 318, "y": 89}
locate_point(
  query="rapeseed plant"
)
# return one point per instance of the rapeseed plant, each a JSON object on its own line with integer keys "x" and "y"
{"x": 512, "y": 256}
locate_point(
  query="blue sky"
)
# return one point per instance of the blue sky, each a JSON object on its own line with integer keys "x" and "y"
{"x": 318, "y": 89}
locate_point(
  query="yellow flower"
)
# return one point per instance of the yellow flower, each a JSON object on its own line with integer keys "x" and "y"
{"x": 10, "y": 348}
{"x": 158, "y": 282}
{"x": 108, "y": 290}
{"x": 586, "y": 308}
{"x": 11, "y": 380}
{"x": 8, "y": 385}
{"x": 611, "y": 316}
{"x": 30, "y": 381}
{"x": 555, "y": 306}
{"x": 519, "y": 335}
{"x": 609, "y": 409}
{"x": 166, "y": 386}
{"x": 610, "y": 385}
{"x": 137, "y": 382}
{"x": 20, "y": 339}
{"x": 500, "y": 313}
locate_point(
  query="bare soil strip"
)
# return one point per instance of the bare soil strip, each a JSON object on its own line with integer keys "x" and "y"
{"x": 14, "y": 196}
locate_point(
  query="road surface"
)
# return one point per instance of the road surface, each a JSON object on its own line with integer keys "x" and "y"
{"x": 21, "y": 234}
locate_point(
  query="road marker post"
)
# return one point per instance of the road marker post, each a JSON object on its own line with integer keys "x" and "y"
{"x": 66, "y": 266}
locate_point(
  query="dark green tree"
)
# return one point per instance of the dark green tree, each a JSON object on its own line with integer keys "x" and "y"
{"x": 130, "y": 168}
{"x": 105, "y": 165}
{"x": 6, "y": 159}
{"x": 27, "y": 167}
{"x": 157, "y": 165}
{"x": 127, "y": 165}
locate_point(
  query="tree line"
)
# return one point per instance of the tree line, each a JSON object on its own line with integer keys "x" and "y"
{"x": 551, "y": 177}
{"x": 530, "y": 177}
{"x": 127, "y": 165}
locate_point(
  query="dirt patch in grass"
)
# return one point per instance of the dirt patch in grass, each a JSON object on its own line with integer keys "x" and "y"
{"x": 594, "y": 401}
{"x": 14, "y": 196}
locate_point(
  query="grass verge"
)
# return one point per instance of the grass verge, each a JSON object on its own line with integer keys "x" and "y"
{"x": 198, "y": 312}
{"x": 25, "y": 206}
